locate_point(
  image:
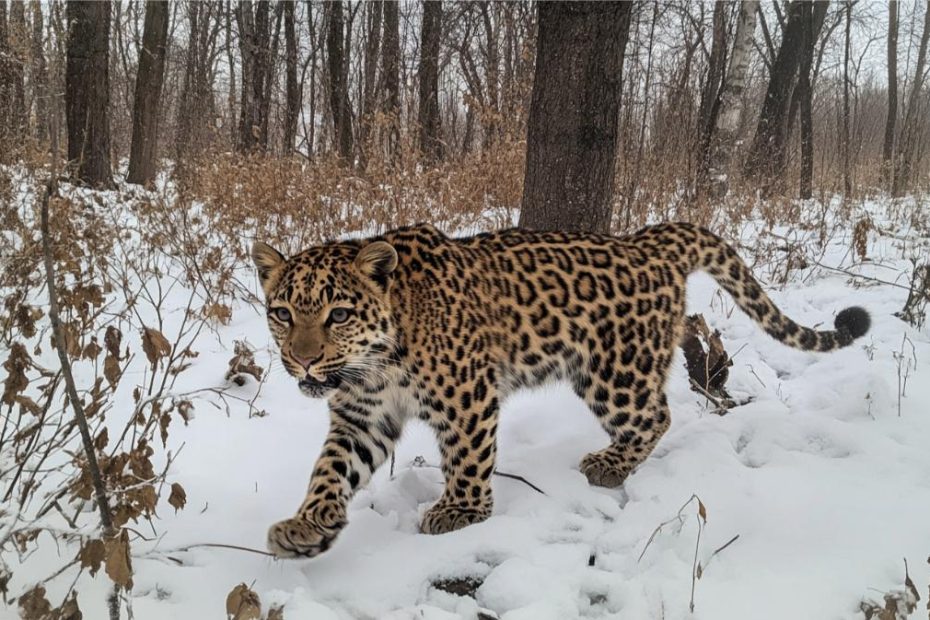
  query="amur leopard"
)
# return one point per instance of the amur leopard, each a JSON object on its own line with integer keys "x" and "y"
{"x": 415, "y": 324}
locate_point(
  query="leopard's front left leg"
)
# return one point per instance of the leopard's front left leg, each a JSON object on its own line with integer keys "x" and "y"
{"x": 359, "y": 440}
{"x": 466, "y": 425}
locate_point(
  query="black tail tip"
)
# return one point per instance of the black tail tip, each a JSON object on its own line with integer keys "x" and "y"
{"x": 854, "y": 321}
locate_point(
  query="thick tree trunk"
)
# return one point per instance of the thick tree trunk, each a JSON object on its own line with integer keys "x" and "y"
{"x": 390, "y": 72}
{"x": 892, "y": 115}
{"x": 767, "y": 155}
{"x": 910, "y": 132}
{"x": 149, "y": 81}
{"x": 255, "y": 45}
{"x": 292, "y": 110}
{"x": 87, "y": 91}
{"x": 847, "y": 163}
{"x": 804, "y": 94}
{"x": 40, "y": 77}
{"x": 431, "y": 145}
{"x": 18, "y": 46}
{"x": 369, "y": 79}
{"x": 246, "y": 23}
{"x": 572, "y": 129}
{"x": 710, "y": 97}
{"x": 339, "y": 81}
{"x": 730, "y": 113}
{"x": 6, "y": 88}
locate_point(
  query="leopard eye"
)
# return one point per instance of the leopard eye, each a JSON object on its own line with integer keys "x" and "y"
{"x": 281, "y": 314}
{"x": 339, "y": 315}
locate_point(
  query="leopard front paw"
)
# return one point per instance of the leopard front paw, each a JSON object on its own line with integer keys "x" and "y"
{"x": 604, "y": 470}
{"x": 446, "y": 517}
{"x": 300, "y": 537}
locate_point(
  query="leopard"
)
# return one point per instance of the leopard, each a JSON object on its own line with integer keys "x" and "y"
{"x": 415, "y": 324}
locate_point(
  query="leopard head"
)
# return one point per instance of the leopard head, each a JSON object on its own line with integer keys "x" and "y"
{"x": 329, "y": 311}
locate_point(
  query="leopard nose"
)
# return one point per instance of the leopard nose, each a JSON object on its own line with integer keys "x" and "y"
{"x": 306, "y": 362}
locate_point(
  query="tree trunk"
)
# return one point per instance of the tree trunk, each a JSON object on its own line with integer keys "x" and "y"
{"x": 270, "y": 55}
{"x": 572, "y": 129}
{"x": 767, "y": 155}
{"x": 149, "y": 81}
{"x": 255, "y": 45}
{"x": 339, "y": 82}
{"x": 847, "y": 172}
{"x": 87, "y": 91}
{"x": 910, "y": 131}
{"x": 804, "y": 95}
{"x": 369, "y": 79}
{"x": 390, "y": 72}
{"x": 246, "y": 23}
{"x": 710, "y": 97}
{"x": 730, "y": 113}
{"x": 892, "y": 117}
{"x": 293, "y": 97}
{"x": 40, "y": 77}
{"x": 430, "y": 35}
{"x": 17, "y": 47}
{"x": 6, "y": 89}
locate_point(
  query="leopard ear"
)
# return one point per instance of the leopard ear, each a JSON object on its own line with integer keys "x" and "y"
{"x": 266, "y": 259}
{"x": 377, "y": 260}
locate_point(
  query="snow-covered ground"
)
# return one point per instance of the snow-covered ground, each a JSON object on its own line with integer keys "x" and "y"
{"x": 823, "y": 476}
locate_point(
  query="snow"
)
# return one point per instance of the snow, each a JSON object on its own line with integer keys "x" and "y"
{"x": 824, "y": 480}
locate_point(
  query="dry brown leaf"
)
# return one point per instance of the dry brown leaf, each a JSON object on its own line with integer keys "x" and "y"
{"x": 91, "y": 350}
{"x": 243, "y": 363}
{"x": 118, "y": 562}
{"x": 92, "y": 554}
{"x": 34, "y": 606}
{"x": 112, "y": 340}
{"x": 15, "y": 366}
{"x": 221, "y": 313}
{"x": 111, "y": 369}
{"x": 28, "y": 404}
{"x": 178, "y": 497}
{"x": 702, "y": 512}
{"x": 102, "y": 439}
{"x": 275, "y": 613}
{"x": 69, "y": 609}
{"x": 243, "y": 604}
{"x": 186, "y": 410}
{"x": 163, "y": 423}
{"x": 71, "y": 335}
{"x": 155, "y": 345}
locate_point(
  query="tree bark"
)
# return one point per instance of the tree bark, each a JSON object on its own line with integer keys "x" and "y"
{"x": 574, "y": 113}
{"x": 40, "y": 77}
{"x": 767, "y": 155}
{"x": 293, "y": 97}
{"x": 87, "y": 91}
{"x": 910, "y": 132}
{"x": 149, "y": 79}
{"x": 730, "y": 114}
{"x": 892, "y": 115}
{"x": 339, "y": 81}
{"x": 847, "y": 172}
{"x": 431, "y": 145}
{"x": 255, "y": 44}
{"x": 6, "y": 89}
{"x": 804, "y": 95}
{"x": 390, "y": 72}
{"x": 17, "y": 48}
{"x": 710, "y": 97}
{"x": 369, "y": 79}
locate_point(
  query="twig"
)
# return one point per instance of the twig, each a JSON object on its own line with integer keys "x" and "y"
{"x": 219, "y": 546}
{"x": 860, "y": 276}
{"x": 521, "y": 479}
{"x": 100, "y": 491}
